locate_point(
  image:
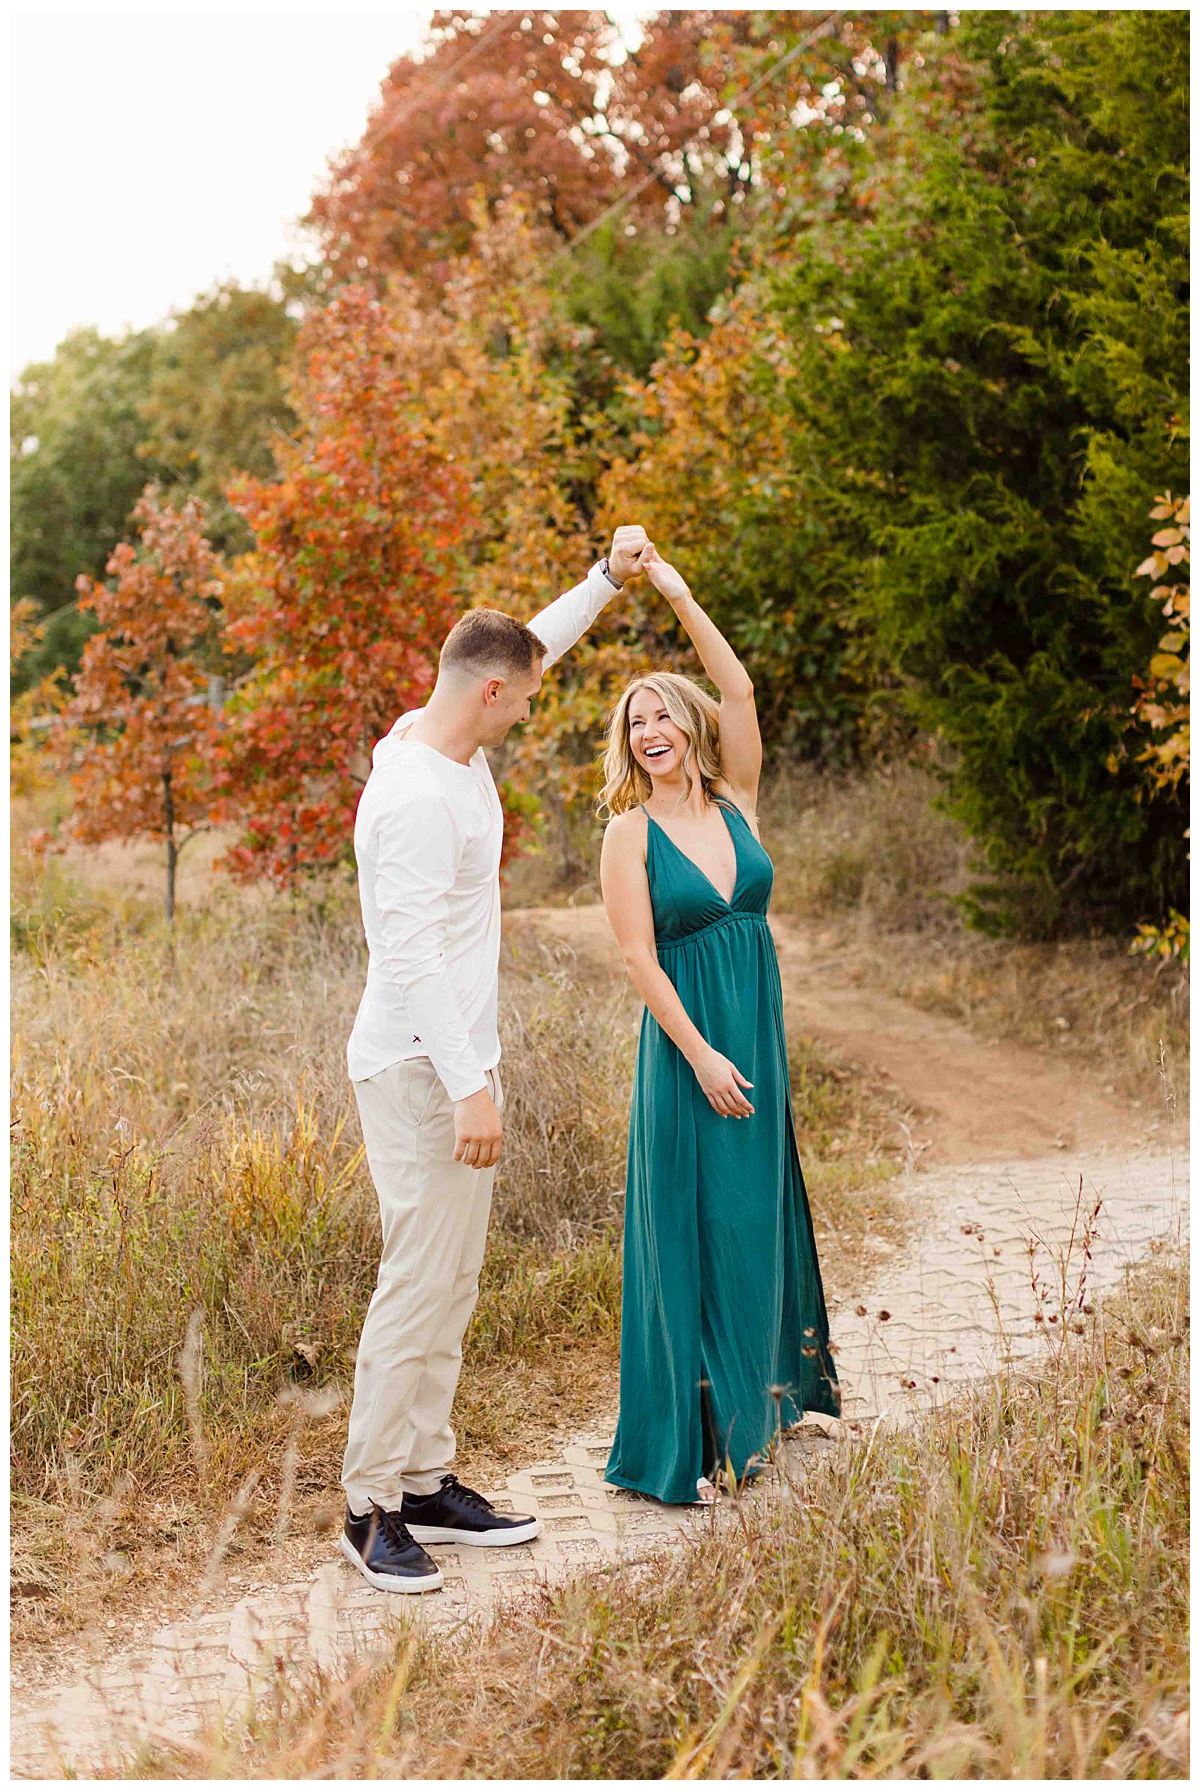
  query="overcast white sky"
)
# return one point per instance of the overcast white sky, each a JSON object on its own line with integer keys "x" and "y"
{"x": 156, "y": 150}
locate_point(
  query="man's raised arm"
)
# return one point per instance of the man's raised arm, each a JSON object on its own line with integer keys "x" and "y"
{"x": 570, "y": 616}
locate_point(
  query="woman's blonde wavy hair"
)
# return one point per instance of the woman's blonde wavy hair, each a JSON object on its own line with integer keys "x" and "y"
{"x": 696, "y": 716}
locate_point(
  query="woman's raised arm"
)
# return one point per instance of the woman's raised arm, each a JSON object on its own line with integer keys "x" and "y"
{"x": 741, "y": 742}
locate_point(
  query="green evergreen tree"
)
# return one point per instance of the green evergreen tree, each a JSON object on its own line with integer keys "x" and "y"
{"x": 991, "y": 389}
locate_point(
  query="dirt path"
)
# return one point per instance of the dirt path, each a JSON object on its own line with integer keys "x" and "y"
{"x": 980, "y": 1100}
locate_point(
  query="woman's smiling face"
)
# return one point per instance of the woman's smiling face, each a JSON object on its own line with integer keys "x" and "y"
{"x": 656, "y": 743}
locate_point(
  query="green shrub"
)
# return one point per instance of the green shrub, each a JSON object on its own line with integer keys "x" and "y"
{"x": 990, "y": 388}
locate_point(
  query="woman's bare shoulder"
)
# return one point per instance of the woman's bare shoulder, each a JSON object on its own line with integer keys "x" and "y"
{"x": 627, "y": 831}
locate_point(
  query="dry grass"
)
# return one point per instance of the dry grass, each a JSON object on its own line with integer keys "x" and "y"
{"x": 868, "y": 845}
{"x": 186, "y": 1163}
{"x": 1001, "y": 1592}
{"x": 194, "y": 1241}
{"x": 569, "y": 1045}
{"x": 872, "y": 859}
{"x": 186, "y": 1143}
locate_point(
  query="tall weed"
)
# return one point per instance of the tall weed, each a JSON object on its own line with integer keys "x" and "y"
{"x": 186, "y": 1141}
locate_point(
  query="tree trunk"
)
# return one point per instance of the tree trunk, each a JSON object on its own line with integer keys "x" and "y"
{"x": 172, "y": 850}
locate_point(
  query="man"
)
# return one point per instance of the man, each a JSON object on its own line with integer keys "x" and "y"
{"x": 423, "y": 1058}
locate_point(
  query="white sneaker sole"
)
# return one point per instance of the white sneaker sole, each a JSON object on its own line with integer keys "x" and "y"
{"x": 484, "y": 1538}
{"x": 383, "y": 1581}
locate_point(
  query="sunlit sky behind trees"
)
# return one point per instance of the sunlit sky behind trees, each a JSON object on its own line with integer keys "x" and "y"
{"x": 161, "y": 151}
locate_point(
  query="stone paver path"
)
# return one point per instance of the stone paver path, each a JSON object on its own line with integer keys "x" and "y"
{"x": 969, "y": 1262}
{"x": 218, "y": 1665}
{"x": 967, "y": 1291}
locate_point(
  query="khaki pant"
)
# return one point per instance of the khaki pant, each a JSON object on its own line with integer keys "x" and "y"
{"x": 435, "y": 1218}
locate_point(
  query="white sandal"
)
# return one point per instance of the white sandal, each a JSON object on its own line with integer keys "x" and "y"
{"x": 706, "y": 1490}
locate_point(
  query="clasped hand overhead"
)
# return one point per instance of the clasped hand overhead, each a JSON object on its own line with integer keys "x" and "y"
{"x": 634, "y": 553}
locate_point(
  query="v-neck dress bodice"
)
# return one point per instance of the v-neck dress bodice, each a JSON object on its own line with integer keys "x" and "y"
{"x": 684, "y": 898}
{"x": 724, "y": 1333}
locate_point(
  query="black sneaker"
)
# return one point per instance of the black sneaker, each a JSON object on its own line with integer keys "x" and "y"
{"x": 455, "y": 1513}
{"x": 386, "y": 1554}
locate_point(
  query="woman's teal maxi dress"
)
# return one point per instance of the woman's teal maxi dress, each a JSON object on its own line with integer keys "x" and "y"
{"x": 724, "y": 1335}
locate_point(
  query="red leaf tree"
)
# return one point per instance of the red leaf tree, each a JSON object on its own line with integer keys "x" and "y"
{"x": 345, "y": 602}
{"x": 700, "y": 120}
{"x": 138, "y": 734}
{"x": 542, "y": 104}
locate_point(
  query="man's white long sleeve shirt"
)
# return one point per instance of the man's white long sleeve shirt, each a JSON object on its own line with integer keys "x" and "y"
{"x": 427, "y": 839}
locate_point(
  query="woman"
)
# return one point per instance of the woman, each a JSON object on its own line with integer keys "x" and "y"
{"x": 724, "y": 1337}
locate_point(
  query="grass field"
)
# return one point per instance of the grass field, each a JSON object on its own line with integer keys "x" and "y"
{"x": 195, "y": 1236}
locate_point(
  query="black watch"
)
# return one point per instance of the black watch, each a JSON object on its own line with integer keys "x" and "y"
{"x": 608, "y": 574}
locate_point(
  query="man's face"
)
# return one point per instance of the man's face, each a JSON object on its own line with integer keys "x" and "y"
{"x": 507, "y": 701}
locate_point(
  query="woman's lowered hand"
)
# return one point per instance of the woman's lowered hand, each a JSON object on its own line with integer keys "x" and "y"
{"x": 722, "y": 1083}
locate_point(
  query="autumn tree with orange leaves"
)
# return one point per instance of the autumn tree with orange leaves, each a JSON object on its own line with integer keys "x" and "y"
{"x": 695, "y": 125}
{"x": 1164, "y": 705}
{"x": 138, "y": 735}
{"x": 499, "y": 371}
{"x": 343, "y": 605}
{"x": 452, "y": 180}
{"x": 535, "y": 104}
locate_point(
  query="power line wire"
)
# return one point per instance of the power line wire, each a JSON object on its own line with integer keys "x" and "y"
{"x": 655, "y": 173}
{"x": 481, "y": 43}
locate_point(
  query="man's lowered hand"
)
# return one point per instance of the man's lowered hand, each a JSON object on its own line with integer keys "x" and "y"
{"x": 478, "y": 1131}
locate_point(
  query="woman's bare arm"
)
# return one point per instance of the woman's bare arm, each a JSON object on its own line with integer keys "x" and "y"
{"x": 741, "y": 742}
{"x": 626, "y": 894}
